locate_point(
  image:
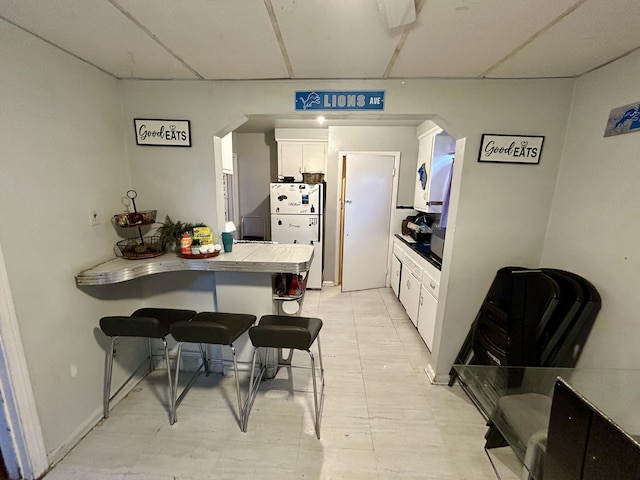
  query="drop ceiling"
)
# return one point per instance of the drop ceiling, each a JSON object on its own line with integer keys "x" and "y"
{"x": 333, "y": 39}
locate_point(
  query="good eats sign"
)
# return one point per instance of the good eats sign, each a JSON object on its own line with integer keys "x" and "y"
{"x": 510, "y": 149}
{"x": 167, "y": 133}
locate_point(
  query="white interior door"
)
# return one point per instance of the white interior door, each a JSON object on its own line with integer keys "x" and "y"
{"x": 368, "y": 198}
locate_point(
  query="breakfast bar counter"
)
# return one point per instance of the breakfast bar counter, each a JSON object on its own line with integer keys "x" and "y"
{"x": 242, "y": 281}
{"x": 245, "y": 257}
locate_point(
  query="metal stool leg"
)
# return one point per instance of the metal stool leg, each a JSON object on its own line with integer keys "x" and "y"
{"x": 318, "y": 400}
{"x": 151, "y": 366}
{"x": 254, "y": 383}
{"x": 166, "y": 358}
{"x": 108, "y": 370}
{"x": 235, "y": 371}
{"x": 204, "y": 353}
{"x": 174, "y": 387}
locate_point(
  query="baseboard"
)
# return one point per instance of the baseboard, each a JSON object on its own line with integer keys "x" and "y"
{"x": 328, "y": 283}
{"x": 59, "y": 453}
{"x": 436, "y": 379}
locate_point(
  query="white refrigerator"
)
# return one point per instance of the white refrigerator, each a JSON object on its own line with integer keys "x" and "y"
{"x": 297, "y": 216}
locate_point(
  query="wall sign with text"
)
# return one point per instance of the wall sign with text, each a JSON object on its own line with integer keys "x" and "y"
{"x": 340, "y": 100}
{"x": 165, "y": 133}
{"x": 510, "y": 148}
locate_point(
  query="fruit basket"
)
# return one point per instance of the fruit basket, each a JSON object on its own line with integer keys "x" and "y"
{"x": 133, "y": 219}
{"x": 137, "y": 248}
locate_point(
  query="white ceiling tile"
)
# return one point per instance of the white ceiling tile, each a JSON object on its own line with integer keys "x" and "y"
{"x": 463, "y": 38}
{"x": 235, "y": 39}
{"x": 221, "y": 39}
{"x": 596, "y": 33}
{"x": 335, "y": 38}
{"x": 97, "y": 32}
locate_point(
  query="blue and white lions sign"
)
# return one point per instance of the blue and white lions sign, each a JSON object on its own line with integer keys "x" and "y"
{"x": 623, "y": 119}
{"x": 340, "y": 100}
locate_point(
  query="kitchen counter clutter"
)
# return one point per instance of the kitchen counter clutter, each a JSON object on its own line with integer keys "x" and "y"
{"x": 415, "y": 279}
{"x": 245, "y": 257}
{"x": 422, "y": 249}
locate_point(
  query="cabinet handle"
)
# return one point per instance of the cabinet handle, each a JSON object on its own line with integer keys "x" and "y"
{"x": 433, "y": 287}
{"x": 421, "y": 299}
{"x": 408, "y": 284}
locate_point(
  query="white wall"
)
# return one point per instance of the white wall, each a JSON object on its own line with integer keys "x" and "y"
{"x": 372, "y": 139}
{"x": 595, "y": 220}
{"x": 62, "y": 155}
{"x": 257, "y": 167}
{"x": 502, "y": 210}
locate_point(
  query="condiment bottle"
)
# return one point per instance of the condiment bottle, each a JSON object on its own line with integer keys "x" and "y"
{"x": 185, "y": 244}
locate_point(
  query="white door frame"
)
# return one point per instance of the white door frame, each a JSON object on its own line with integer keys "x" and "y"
{"x": 340, "y": 204}
{"x": 21, "y": 442}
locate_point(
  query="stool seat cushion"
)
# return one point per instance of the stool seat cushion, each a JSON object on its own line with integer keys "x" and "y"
{"x": 216, "y": 328}
{"x": 131, "y": 327}
{"x": 279, "y": 331}
{"x": 165, "y": 316}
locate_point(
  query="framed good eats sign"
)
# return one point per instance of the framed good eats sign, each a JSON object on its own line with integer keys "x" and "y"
{"x": 164, "y": 133}
{"x": 510, "y": 149}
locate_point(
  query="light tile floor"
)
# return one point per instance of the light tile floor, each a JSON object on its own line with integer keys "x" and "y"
{"x": 382, "y": 418}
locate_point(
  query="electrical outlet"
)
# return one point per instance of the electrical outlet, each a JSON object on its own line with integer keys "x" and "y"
{"x": 94, "y": 218}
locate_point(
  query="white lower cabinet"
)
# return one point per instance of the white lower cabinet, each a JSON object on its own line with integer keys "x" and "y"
{"x": 410, "y": 294}
{"x": 427, "y": 316}
{"x": 396, "y": 266}
{"x": 419, "y": 289}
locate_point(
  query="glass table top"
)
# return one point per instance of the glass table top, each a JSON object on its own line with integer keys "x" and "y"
{"x": 517, "y": 400}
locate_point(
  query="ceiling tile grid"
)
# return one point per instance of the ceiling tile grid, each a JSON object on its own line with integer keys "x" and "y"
{"x": 98, "y": 33}
{"x": 221, "y": 39}
{"x": 333, "y": 39}
{"x": 464, "y": 38}
{"x": 594, "y": 34}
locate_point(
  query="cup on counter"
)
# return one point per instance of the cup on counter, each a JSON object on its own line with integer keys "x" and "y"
{"x": 227, "y": 241}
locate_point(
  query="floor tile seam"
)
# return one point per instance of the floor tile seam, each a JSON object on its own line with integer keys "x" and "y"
{"x": 368, "y": 415}
{"x": 366, "y": 394}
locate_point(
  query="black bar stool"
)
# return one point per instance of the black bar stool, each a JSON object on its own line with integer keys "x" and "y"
{"x": 213, "y": 328}
{"x": 146, "y": 323}
{"x": 295, "y": 333}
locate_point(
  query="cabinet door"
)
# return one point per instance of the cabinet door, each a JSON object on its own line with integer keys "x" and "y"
{"x": 313, "y": 157}
{"x": 410, "y": 294}
{"x": 427, "y": 317}
{"x": 395, "y": 274}
{"x": 423, "y": 173}
{"x": 290, "y": 160}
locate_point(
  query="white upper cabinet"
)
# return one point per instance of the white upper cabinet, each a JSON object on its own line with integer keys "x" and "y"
{"x": 301, "y": 150}
{"x": 294, "y": 158}
{"x": 436, "y": 151}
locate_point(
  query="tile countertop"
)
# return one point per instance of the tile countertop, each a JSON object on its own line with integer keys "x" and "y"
{"x": 421, "y": 249}
{"x": 245, "y": 257}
